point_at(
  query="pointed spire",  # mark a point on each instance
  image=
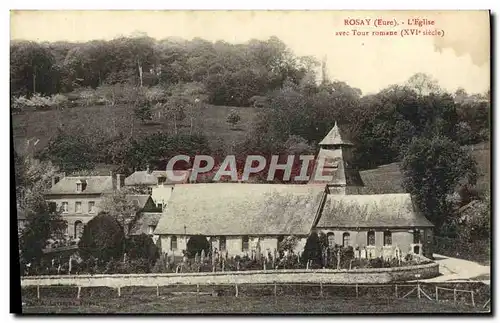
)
(335, 137)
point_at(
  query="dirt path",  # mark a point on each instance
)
(455, 269)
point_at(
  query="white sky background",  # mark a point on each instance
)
(460, 59)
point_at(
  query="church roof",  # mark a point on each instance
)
(342, 173)
(335, 137)
(241, 209)
(371, 211)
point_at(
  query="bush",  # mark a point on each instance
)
(142, 247)
(102, 238)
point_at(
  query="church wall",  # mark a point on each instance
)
(233, 244)
(402, 238)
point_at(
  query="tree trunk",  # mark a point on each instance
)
(139, 66)
(34, 80)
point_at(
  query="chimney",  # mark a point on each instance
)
(118, 181)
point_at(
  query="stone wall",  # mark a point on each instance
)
(361, 276)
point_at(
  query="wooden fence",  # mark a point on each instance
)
(433, 292)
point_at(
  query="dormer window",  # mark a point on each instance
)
(161, 180)
(81, 185)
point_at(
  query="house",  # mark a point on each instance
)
(235, 217)
(147, 216)
(78, 198)
(157, 183)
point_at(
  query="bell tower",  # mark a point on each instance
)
(333, 165)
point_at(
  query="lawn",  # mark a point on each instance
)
(256, 304)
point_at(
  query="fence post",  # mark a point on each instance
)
(418, 290)
(454, 295)
(396, 290)
(79, 291)
(357, 291)
(320, 289)
(157, 290)
(119, 291)
(275, 289)
(38, 291)
(197, 289)
(236, 286)
(437, 297)
(472, 295)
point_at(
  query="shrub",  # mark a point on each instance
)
(312, 249)
(102, 238)
(142, 247)
(376, 263)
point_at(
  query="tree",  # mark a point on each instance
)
(233, 118)
(119, 207)
(312, 249)
(42, 224)
(423, 84)
(143, 111)
(432, 169)
(70, 152)
(102, 238)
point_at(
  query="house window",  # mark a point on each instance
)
(52, 207)
(331, 240)
(244, 243)
(160, 206)
(78, 207)
(370, 238)
(222, 243)
(91, 207)
(173, 243)
(150, 190)
(346, 237)
(135, 203)
(416, 236)
(387, 238)
(161, 180)
(78, 187)
(64, 207)
(78, 229)
(151, 229)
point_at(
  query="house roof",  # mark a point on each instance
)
(241, 209)
(140, 198)
(142, 223)
(145, 177)
(95, 185)
(335, 137)
(380, 210)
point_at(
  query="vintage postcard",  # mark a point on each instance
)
(253, 162)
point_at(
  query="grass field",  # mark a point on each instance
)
(255, 304)
(42, 125)
(388, 178)
(253, 298)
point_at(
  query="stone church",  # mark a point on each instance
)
(235, 216)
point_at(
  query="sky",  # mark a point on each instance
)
(461, 58)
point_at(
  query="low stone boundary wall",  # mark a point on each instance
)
(354, 276)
